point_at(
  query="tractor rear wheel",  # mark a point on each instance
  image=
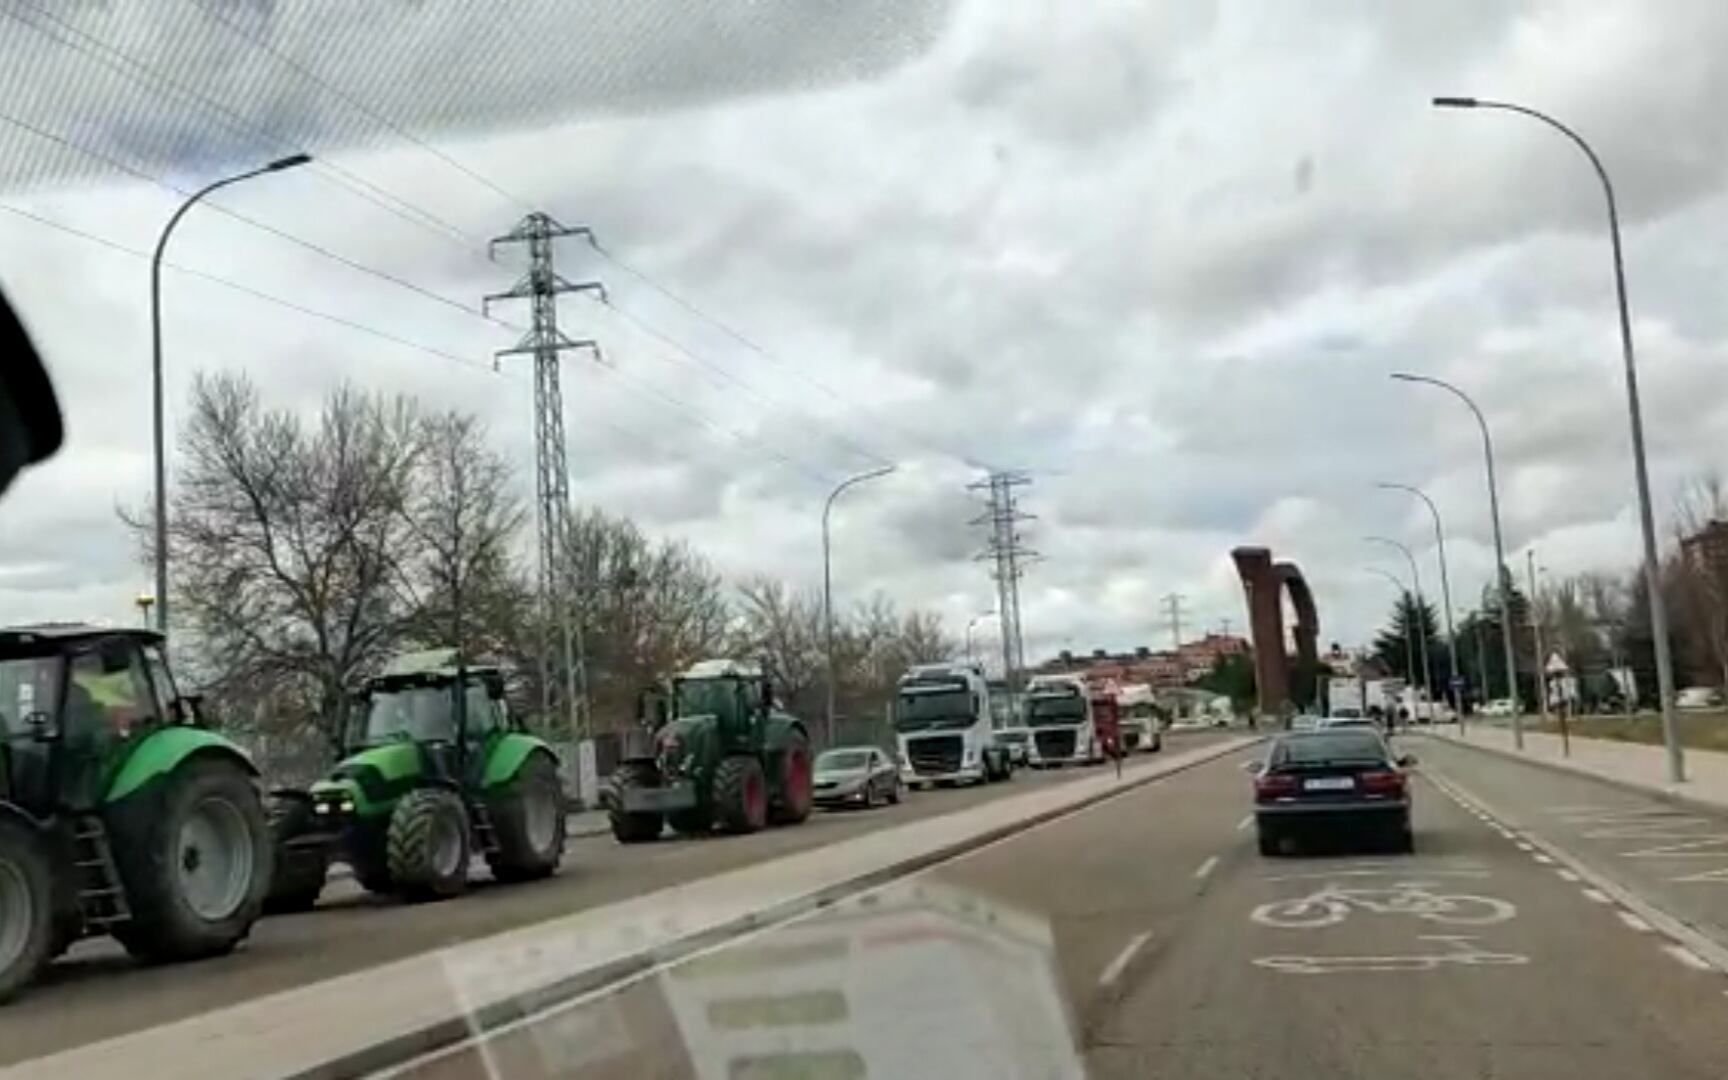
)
(793, 804)
(300, 872)
(427, 846)
(528, 819)
(640, 827)
(195, 859)
(741, 794)
(26, 906)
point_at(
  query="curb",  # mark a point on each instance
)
(1662, 794)
(456, 1030)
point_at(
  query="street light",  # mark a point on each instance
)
(1403, 594)
(1635, 413)
(828, 581)
(970, 623)
(1445, 593)
(1421, 630)
(158, 431)
(1501, 576)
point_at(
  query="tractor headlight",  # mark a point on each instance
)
(347, 806)
(321, 808)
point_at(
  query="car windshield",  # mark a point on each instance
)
(1046, 710)
(1330, 748)
(843, 760)
(933, 708)
(27, 685)
(418, 713)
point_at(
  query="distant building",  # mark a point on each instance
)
(1168, 668)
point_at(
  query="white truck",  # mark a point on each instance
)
(945, 728)
(1059, 712)
(1346, 698)
(1140, 732)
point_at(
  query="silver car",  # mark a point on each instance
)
(856, 775)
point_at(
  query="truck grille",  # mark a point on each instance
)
(1055, 745)
(1131, 739)
(935, 755)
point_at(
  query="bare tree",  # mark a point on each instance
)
(286, 544)
(783, 627)
(1697, 580)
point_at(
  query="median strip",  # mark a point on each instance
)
(369, 1020)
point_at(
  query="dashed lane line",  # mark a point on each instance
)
(1120, 964)
(1206, 868)
(1597, 895)
(1245, 822)
(1688, 957)
(1634, 922)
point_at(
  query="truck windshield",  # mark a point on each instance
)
(420, 713)
(1059, 709)
(27, 685)
(921, 708)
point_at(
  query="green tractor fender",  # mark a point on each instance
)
(164, 750)
(777, 734)
(508, 754)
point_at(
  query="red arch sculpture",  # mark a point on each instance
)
(1265, 582)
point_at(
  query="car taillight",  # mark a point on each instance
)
(1382, 782)
(1274, 785)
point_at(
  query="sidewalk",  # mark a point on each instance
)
(1633, 765)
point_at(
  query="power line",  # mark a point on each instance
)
(355, 184)
(1004, 548)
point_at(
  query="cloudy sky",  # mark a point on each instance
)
(1162, 255)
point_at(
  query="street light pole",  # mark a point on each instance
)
(1403, 596)
(158, 432)
(1635, 413)
(1420, 611)
(1501, 576)
(970, 656)
(1445, 594)
(828, 582)
(1536, 635)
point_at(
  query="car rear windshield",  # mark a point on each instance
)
(1331, 746)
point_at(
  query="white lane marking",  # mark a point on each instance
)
(1688, 957)
(1120, 964)
(1597, 895)
(1566, 875)
(1391, 871)
(1522, 846)
(1543, 859)
(1459, 950)
(1634, 922)
(1245, 822)
(1206, 867)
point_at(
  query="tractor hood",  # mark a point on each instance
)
(373, 778)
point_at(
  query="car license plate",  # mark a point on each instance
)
(1329, 783)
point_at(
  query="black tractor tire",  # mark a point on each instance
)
(367, 854)
(170, 845)
(426, 848)
(694, 822)
(791, 806)
(518, 814)
(636, 828)
(300, 872)
(740, 794)
(26, 906)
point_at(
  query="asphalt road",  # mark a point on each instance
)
(96, 991)
(1145, 937)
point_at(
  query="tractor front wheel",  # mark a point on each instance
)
(300, 871)
(427, 846)
(633, 828)
(796, 783)
(741, 794)
(26, 906)
(528, 819)
(195, 858)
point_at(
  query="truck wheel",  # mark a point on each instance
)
(1157, 743)
(528, 819)
(796, 783)
(426, 848)
(26, 907)
(740, 794)
(637, 828)
(196, 861)
(300, 872)
(894, 793)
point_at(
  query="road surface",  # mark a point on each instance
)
(1145, 937)
(97, 992)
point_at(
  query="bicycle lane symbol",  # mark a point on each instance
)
(1422, 900)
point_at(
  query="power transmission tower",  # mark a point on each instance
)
(1004, 548)
(563, 670)
(1173, 602)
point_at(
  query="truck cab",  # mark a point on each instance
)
(1064, 729)
(945, 728)
(1140, 732)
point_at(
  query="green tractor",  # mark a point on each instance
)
(711, 750)
(429, 779)
(119, 814)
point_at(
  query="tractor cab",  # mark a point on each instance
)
(415, 700)
(738, 697)
(73, 700)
